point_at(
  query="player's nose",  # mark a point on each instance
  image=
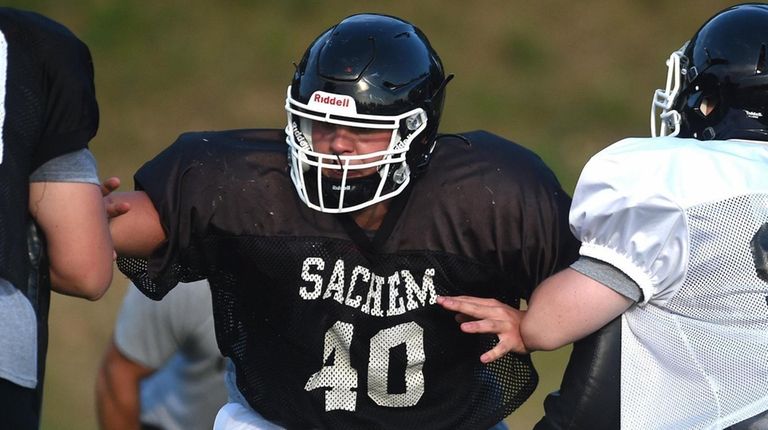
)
(343, 141)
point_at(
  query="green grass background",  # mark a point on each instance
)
(565, 78)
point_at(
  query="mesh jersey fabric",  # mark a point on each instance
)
(50, 109)
(685, 220)
(329, 332)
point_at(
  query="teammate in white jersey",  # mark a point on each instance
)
(674, 233)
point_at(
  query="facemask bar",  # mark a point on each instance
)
(303, 158)
(664, 99)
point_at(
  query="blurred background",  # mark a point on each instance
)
(564, 78)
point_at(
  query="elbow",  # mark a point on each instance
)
(90, 284)
(95, 286)
(537, 339)
(95, 291)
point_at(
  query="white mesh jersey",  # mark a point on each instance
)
(681, 218)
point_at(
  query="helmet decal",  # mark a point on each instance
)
(332, 103)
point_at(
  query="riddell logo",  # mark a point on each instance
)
(332, 103)
(753, 115)
(319, 97)
(299, 136)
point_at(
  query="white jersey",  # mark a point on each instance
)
(681, 218)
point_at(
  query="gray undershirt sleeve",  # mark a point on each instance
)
(75, 166)
(609, 276)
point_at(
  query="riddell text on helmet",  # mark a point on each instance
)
(330, 100)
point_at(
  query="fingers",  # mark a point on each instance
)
(115, 208)
(508, 333)
(466, 300)
(110, 184)
(490, 325)
(473, 306)
(488, 316)
(503, 348)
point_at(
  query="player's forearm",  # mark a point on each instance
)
(115, 414)
(137, 232)
(567, 307)
(117, 393)
(79, 245)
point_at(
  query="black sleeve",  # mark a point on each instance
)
(513, 200)
(537, 227)
(71, 111)
(195, 182)
(548, 244)
(175, 181)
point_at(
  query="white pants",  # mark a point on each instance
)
(234, 416)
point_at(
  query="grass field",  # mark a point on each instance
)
(563, 78)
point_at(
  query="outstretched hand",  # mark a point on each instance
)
(479, 315)
(112, 207)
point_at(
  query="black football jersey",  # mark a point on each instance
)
(332, 327)
(49, 109)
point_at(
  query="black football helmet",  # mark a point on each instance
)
(368, 71)
(717, 84)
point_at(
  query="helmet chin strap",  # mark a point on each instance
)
(358, 190)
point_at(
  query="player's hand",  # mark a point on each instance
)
(114, 208)
(110, 184)
(479, 315)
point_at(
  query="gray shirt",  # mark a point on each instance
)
(176, 337)
(609, 276)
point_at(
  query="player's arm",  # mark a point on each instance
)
(624, 224)
(566, 307)
(135, 223)
(71, 215)
(118, 402)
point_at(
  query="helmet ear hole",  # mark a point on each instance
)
(707, 105)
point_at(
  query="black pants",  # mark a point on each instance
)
(19, 407)
(589, 395)
(758, 422)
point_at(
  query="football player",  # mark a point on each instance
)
(326, 244)
(674, 235)
(48, 114)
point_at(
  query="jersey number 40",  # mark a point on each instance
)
(341, 379)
